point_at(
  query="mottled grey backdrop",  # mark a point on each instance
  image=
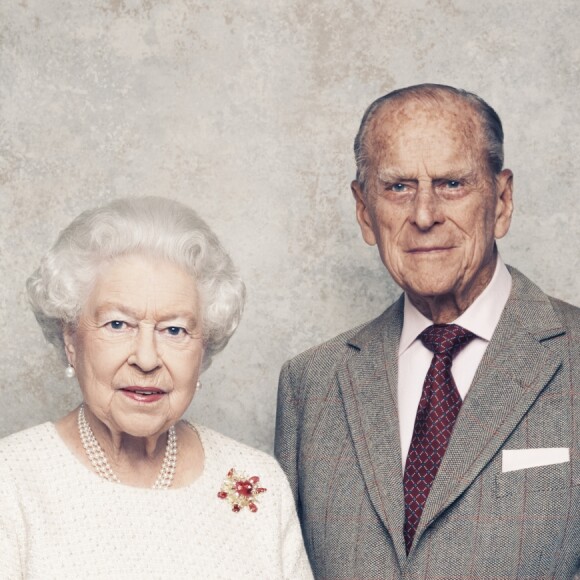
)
(246, 110)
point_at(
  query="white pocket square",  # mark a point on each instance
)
(514, 459)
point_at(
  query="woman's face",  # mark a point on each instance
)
(137, 349)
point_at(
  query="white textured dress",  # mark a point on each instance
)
(60, 520)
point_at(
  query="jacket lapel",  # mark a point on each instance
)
(514, 371)
(368, 384)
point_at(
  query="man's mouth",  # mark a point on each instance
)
(429, 249)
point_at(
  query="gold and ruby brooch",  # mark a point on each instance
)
(241, 491)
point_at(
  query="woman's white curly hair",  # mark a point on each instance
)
(150, 226)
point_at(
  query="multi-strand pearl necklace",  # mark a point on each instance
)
(101, 465)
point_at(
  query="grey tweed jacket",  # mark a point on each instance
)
(337, 437)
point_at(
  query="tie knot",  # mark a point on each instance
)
(445, 338)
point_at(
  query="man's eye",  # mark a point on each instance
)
(452, 184)
(117, 325)
(399, 187)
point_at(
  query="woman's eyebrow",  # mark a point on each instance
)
(188, 317)
(115, 307)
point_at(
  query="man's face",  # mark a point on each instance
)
(431, 204)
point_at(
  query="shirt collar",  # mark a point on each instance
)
(481, 317)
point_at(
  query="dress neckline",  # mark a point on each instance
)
(94, 478)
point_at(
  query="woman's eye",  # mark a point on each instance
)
(117, 324)
(175, 330)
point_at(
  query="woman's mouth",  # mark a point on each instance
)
(143, 394)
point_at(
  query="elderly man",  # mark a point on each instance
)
(440, 440)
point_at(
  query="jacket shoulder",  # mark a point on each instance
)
(568, 313)
(323, 359)
(333, 348)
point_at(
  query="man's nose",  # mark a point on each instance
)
(145, 354)
(427, 209)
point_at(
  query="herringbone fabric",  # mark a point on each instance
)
(438, 409)
(337, 438)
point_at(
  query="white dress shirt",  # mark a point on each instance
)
(481, 318)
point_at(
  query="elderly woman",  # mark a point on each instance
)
(138, 296)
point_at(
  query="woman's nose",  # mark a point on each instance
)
(145, 354)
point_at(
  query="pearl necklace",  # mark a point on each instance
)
(100, 464)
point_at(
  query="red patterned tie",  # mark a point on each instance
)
(438, 409)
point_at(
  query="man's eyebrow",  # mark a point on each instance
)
(456, 175)
(392, 174)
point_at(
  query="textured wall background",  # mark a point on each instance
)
(247, 110)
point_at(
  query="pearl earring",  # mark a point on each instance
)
(69, 372)
(198, 386)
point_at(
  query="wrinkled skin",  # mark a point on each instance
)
(431, 204)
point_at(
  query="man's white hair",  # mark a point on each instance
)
(432, 94)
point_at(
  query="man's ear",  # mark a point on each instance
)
(69, 343)
(362, 214)
(504, 204)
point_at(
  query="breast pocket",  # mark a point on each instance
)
(534, 479)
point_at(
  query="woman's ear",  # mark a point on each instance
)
(69, 343)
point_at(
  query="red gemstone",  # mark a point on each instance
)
(261, 490)
(253, 507)
(236, 508)
(222, 494)
(254, 479)
(231, 472)
(244, 488)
